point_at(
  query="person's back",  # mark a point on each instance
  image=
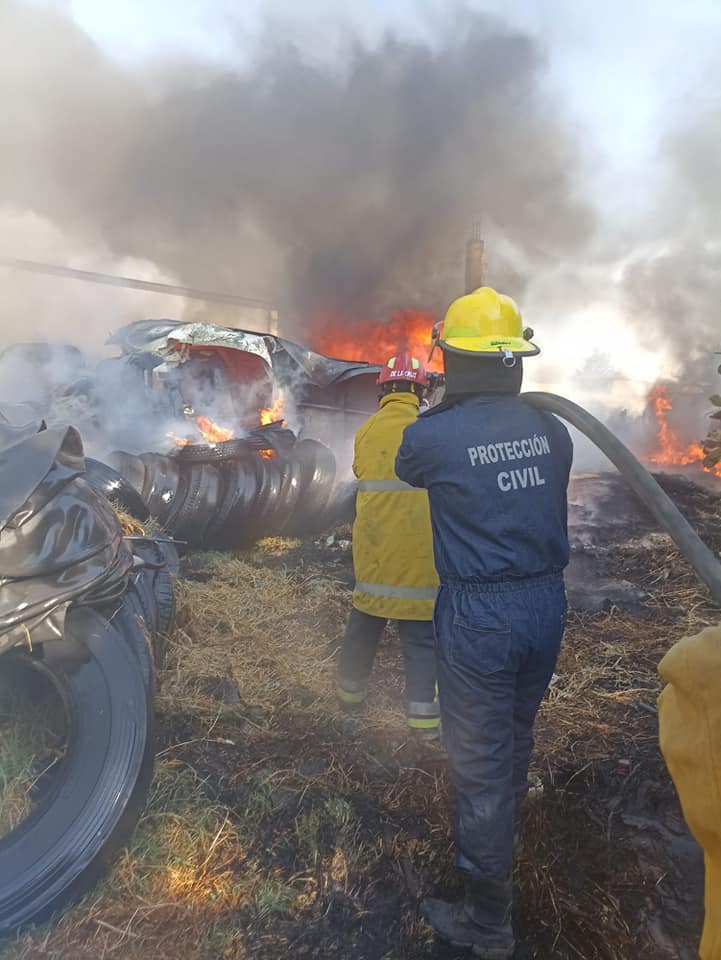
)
(496, 471)
(395, 578)
(392, 542)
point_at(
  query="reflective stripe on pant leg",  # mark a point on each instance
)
(423, 723)
(349, 696)
(423, 715)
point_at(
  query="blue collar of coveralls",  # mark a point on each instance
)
(467, 398)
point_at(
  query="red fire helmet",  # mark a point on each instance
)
(404, 367)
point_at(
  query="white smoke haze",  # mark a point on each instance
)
(34, 307)
(344, 176)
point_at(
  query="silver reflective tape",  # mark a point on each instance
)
(421, 708)
(402, 593)
(383, 486)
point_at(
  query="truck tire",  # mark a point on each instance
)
(288, 496)
(162, 480)
(318, 468)
(213, 452)
(199, 504)
(116, 488)
(130, 467)
(97, 795)
(242, 481)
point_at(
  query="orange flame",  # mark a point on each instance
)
(274, 412)
(671, 450)
(212, 432)
(376, 340)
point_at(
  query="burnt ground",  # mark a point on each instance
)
(280, 827)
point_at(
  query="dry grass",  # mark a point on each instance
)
(280, 828)
(170, 894)
(259, 628)
(30, 742)
(128, 524)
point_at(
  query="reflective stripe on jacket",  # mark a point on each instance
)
(689, 711)
(392, 539)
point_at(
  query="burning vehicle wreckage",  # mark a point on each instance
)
(191, 427)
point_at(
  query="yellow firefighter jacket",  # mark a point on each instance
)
(690, 730)
(392, 539)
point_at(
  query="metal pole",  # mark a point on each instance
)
(475, 259)
(172, 290)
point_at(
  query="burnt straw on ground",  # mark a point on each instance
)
(279, 827)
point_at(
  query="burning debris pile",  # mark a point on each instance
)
(205, 415)
(228, 494)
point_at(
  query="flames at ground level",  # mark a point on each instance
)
(208, 431)
(375, 340)
(670, 449)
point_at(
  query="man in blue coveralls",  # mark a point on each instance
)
(496, 470)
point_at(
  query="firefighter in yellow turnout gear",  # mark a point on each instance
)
(690, 729)
(392, 554)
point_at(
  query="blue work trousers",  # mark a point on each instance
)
(496, 647)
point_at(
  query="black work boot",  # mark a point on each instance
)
(481, 921)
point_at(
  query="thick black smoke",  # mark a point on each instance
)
(350, 184)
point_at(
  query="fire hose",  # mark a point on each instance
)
(664, 510)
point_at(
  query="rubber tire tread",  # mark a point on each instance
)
(289, 495)
(213, 453)
(242, 483)
(318, 470)
(161, 584)
(162, 477)
(249, 532)
(62, 849)
(128, 617)
(266, 502)
(116, 488)
(199, 505)
(174, 508)
(130, 467)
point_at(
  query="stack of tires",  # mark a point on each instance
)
(228, 495)
(85, 611)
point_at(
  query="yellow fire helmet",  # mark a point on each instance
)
(486, 322)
